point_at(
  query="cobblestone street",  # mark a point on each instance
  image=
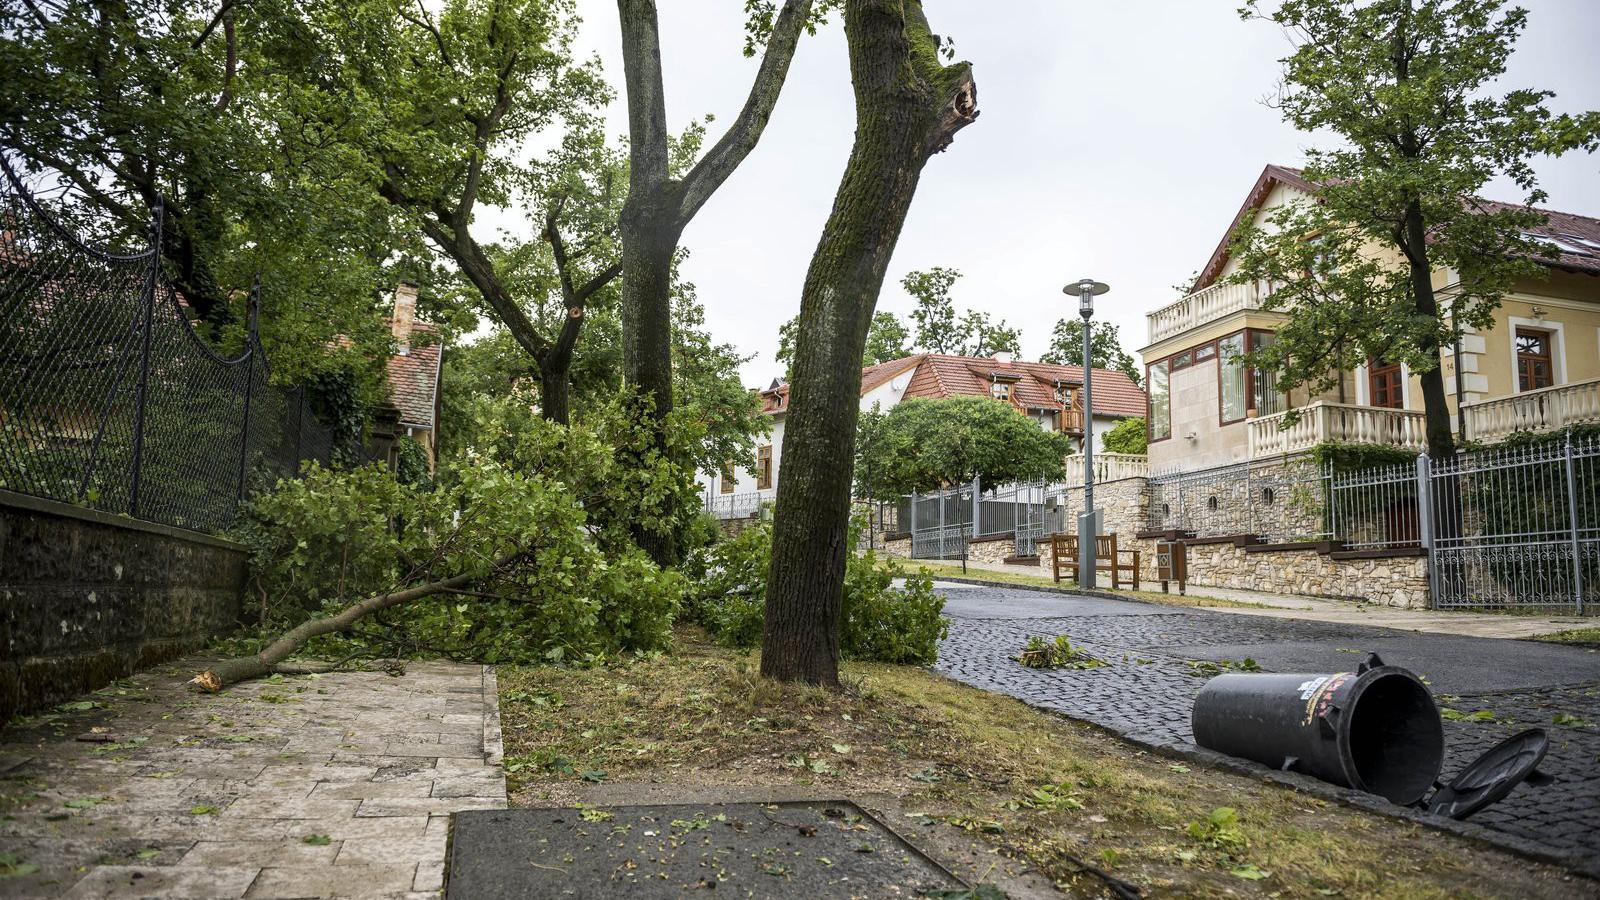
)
(1147, 689)
(332, 786)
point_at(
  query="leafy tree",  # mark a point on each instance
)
(909, 106)
(1105, 348)
(119, 107)
(1127, 436)
(1402, 84)
(661, 202)
(438, 106)
(925, 445)
(887, 339)
(984, 339)
(935, 315)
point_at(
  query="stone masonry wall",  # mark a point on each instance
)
(87, 598)
(992, 550)
(1393, 581)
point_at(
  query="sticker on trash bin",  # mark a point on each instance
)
(1321, 695)
(1307, 688)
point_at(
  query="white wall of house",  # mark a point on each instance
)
(889, 393)
(745, 481)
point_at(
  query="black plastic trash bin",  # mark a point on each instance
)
(1375, 729)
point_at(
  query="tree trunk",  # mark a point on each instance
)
(660, 206)
(648, 246)
(555, 403)
(1436, 411)
(908, 107)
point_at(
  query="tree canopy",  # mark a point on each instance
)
(1403, 84)
(1105, 348)
(924, 445)
(939, 330)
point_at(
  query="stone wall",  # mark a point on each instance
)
(87, 598)
(1310, 570)
(896, 544)
(992, 549)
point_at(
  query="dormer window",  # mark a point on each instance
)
(1000, 390)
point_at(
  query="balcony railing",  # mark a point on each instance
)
(1206, 305)
(1547, 409)
(743, 505)
(1323, 421)
(1107, 467)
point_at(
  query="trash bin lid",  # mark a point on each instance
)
(1490, 777)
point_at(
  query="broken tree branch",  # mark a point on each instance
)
(244, 668)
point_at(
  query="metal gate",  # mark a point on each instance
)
(941, 523)
(1516, 528)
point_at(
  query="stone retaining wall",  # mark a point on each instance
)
(1399, 581)
(992, 550)
(87, 598)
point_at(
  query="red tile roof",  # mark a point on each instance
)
(1034, 386)
(1115, 394)
(414, 378)
(1576, 255)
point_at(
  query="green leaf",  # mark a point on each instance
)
(203, 810)
(1249, 873)
(317, 840)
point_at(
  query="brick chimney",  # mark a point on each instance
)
(405, 313)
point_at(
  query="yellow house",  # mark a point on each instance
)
(1536, 369)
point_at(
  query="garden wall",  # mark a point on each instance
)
(87, 597)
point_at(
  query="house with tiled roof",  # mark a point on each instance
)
(414, 371)
(1535, 368)
(1051, 395)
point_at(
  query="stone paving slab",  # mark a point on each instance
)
(334, 786)
(1146, 691)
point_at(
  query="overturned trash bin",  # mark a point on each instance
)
(1375, 729)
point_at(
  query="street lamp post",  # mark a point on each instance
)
(1087, 289)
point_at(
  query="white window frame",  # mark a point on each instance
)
(1558, 348)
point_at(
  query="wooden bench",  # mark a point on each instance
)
(1107, 558)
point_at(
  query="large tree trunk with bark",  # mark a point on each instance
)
(1436, 411)
(908, 106)
(660, 206)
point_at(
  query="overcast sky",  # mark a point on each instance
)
(1116, 141)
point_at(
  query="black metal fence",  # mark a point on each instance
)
(108, 397)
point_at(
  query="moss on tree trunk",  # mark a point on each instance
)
(908, 106)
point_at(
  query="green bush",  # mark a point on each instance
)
(881, 623)
(575, 588)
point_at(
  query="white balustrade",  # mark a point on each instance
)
(1323, 421)
(1108, 467)
(1547, 409)
(1202, 306)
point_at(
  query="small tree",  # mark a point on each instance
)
(1401, 82)
(935, 315)
(927, 445)
(887, 339)
(1105, 348)
(1127, 436)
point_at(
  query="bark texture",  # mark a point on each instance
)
(660, 206)
(908, 107)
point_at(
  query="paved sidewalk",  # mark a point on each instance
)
(332, 786)
(1352, 612)
(1146, 690)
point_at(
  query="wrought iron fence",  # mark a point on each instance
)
(1374, 508)
(1517, 527)
(108, 397)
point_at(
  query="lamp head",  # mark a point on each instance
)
(1086, 289)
